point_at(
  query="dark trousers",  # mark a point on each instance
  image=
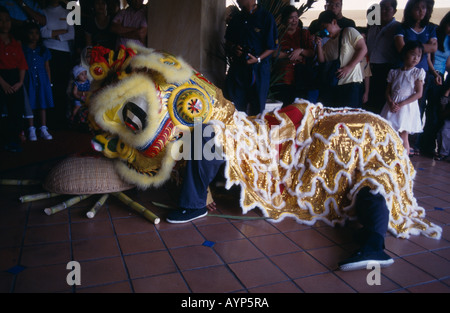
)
(199, 173)
(378, 85)
(60, 69)
(347, 95)
(14, 106)
(248, 85)
(373, 214)
(285, 93)
(432, 120)
(371, 209)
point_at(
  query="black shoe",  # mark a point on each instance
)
(186, 215)
(361, 259)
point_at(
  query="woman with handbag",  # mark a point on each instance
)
(340, 57)
(296, 45)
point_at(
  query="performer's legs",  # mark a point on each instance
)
(200, 170)
(373, 214)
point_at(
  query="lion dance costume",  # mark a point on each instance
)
(304, 161)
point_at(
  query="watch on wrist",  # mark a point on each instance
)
(259, 60)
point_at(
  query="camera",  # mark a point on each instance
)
(289, 51)
(247, 50)
(323, 33)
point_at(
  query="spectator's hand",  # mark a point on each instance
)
(252, 59)
(365, 98)
(438, 80)
(318, 41)
(238, 51)
(343, 72)
(296, 55)
(395, 107)
(7, 88)
(391, 104)
(283, 55)
(142, 33)
(16, 87)
(56, 33)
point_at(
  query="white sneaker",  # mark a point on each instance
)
(45, 134)
(32, 133)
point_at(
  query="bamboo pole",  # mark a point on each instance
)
(161, 205)
(149, 215)
(38, 196)
(92, 212)
(19, 182)
(238, 217)
(65, 204)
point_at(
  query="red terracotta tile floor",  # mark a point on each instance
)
(119, 251)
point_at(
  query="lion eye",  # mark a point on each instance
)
(134, 114)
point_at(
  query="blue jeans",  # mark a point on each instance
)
(198, 174)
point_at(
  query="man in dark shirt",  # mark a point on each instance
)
(336, 7)
(251, 38)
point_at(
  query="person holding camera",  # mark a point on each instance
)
(334, 6)
(348, 91)
(251, 38)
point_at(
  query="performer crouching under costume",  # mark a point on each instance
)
(371, 209)
(303, 161)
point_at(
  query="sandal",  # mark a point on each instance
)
(440, 157)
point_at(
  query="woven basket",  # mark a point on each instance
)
(85, 175)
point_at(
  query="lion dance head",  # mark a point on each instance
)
(143, 101)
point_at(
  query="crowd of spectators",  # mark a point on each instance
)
(263, 60)
(44, 60)
(340, 65)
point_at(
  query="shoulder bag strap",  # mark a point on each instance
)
(340, 42)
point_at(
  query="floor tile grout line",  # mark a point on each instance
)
(422, 269)
(223, 261)
(428, 282)
(19, 259)
(167, 249)
(110, 219)
(69, 213)
(272, 262)
(103, 284)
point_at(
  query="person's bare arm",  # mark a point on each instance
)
(36, 16)
(360, 52)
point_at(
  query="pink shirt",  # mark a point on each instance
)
(130, 18)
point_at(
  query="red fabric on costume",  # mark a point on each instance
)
(295, 115)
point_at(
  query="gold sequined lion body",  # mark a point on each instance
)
(303, 161)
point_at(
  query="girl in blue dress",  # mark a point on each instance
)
(37, 79)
